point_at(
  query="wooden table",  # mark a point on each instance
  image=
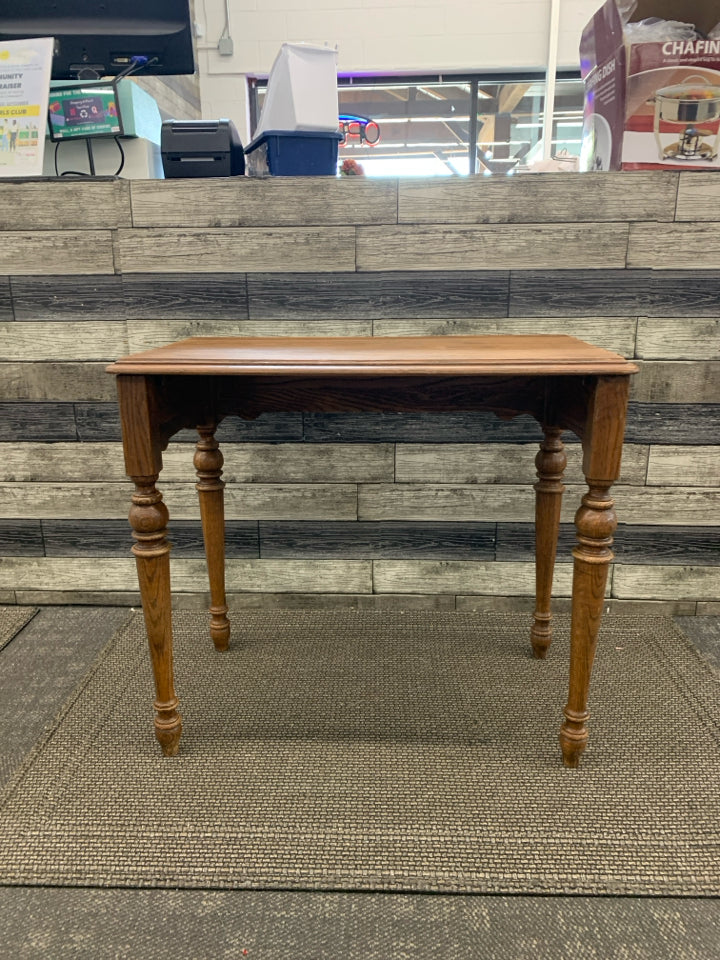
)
(564, 383)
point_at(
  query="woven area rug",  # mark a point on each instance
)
(12, 620)
(379, 751)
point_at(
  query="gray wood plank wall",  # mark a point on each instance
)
(358, 510)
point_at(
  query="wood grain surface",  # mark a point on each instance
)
(31, 253)
(558, 198)
(64, 204)
(266, 249)
(246, 202)
(502, 247)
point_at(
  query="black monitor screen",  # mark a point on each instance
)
(84, 110)
(103, 39)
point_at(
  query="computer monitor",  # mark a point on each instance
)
(84, 109)
(104, 39)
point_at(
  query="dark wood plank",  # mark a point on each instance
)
(390, 540)
(186, 296)
(37, 421)
(614, 293)
(97, 421)
(419, 428)
(699, 546)
(21, 538)
(101, 421)
(379, 295)
(67, 298)
(658, 423)
(110, 538)
(692, 546)
(674, 423)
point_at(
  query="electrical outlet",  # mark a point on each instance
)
(225, 46)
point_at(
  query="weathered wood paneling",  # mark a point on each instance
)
(678, 338)
(21, 538)
(185, 296)
(671, 381)
(146, 334)
(507, 502)
(267, 249)
(28, 253)
(634, 543)
(660, 582)
(612, 333)
(419, 428)
(109, 538)
(70, 298)
(560, 198)
(661, 293)
(6, 306)
(397, 540)
(525, 246)
(380, 296)
(64, 204)
(674, 423)
(101, 421)
(698, 196)
(463, 576)
(278, 257)
(693, 246)
(55, 381)
(248, 202)
(72, 340)
(254, 501)
(50, 462)
(684, 466)
(497, 463)
(66, 573)
(37, 421)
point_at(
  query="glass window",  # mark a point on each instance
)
(414, 126)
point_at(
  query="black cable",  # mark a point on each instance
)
(122, 157)
(81, 173)
(66, 173)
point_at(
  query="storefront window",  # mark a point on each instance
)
(450, 126)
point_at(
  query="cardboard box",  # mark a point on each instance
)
(656, 105)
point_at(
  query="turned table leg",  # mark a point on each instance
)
(550, 462)
(595, 523)
(208, 463)
(148, 519)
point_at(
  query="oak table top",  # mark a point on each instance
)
(461, 356)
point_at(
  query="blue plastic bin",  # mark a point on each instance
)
(304, 153)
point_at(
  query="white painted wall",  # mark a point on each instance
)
(380, 36)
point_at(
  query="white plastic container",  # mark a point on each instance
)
(301, 91)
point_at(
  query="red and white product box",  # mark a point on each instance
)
(656, 105)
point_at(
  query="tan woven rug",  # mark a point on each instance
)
(12, 620)
(412, 751)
